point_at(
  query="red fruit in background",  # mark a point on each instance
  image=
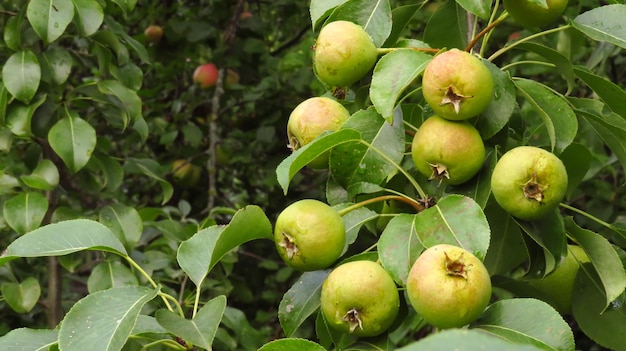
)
(205, 75)
(153, 34)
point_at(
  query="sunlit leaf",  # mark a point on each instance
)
(291, 344)
(604, 23)
(320, 9)
(110, 274)
(89, 16)
(73, 139)
(373, 16)
(21, 75)
(393, 73)
(49, 18)
(28, 339)
(57, 63)
(198, 255)
(399, 247)
(103, 321)
(509, 320)
(63, 238)
(456, 220)
(464, 340)
(124, 221)
(19, 117)
(24, 212)
(45, 176)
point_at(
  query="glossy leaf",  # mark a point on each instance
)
(57, 63)
(201, 329)
(373, 16)
(21, 297)
(288, 167)
(393, 73)
(151, 169)
(24, 212)
(63, 238)
(21, 75)
(612, 94)
(361, 161)
(557, 116)
(28, 339)
(301, 301)
(320, 9)
(509, 319)
(447, 27)
(19, 117)
(501, 107)
(481, 8)
(124, 221)
(103, 321)
(456, 220)
(478, 188)
(603, 326)
(198, 255)
(45, 176)
(577, 159)
(108, 39)
(13, 32)
(354, 221)
(291, 344)
(50, 18)
(604, 23)
(73, 139)
(399, 247)
(605, 260)
(147, 325)
(464, 340)
(110, 274)
(89, 16)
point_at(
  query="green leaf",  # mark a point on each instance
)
(73, 139)
(509, 319)
(374, 158)
(21, 297)
(393, 73)
(354, 220)
(124, 221)
(479, 187)
(501, 107)
(107, 39)
(456, 220)
(506, 248)
(110, 274)
(549, 233)
(612, 94)
(399, 247)
(29, 339)
(288, 167)
(56, 65)
(19, 117)
(373, 16)
(151, 169)
(147, 325)
(301, 301)
(291, 344)
(604, 23)
(126, 5)
(201, 329)
(24, 212)
(447, 27)
(481, 8)
(21, 75)
(198, 255)
(562, 63)
(49, 18)
(320, 9)
(4, 101)
(605, 260)
(400, 18)
(63, 238)
(13, 32)
(556, 114)
(103, 321)
(126, 99)
(604, 326)
(120, 31)
(112, 172)
(89, 16)
(45, 176)
(609, 126)
(464, 340)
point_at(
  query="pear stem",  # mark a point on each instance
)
(416, 205)
(485, 31)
